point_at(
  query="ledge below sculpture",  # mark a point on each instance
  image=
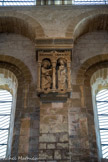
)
(54, 97)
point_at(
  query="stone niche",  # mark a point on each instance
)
(54, 74)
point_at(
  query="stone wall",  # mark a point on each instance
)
(54, 131)
(54, 143)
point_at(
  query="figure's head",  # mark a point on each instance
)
(62, 61)
(46, 63)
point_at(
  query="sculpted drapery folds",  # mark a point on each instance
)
(46, 73)
(54, 72)
(62, 74)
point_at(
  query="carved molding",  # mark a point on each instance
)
(64, 43)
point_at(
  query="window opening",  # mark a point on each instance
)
(102, 110)
(51, 2)
(17, 2)
(90, 2)
(5, 113)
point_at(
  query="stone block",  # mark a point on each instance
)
(65, 154)
(42, 146)
(34, 132)
(50, 146)
(33, 140)
(57, 105)
(47, 138)
(42, 155)
(34, 124)
(64, 138)
(25, 123)
(25, 132)
(75, 95)
(57, 154)
(83, 127)
(23, 148)
(47, 154)
(62, 145)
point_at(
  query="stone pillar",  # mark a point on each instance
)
(39, 71)
(54, 75)
(68, 75)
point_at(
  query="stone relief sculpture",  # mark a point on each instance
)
(54, 72)
(46, 75)
(62, 74)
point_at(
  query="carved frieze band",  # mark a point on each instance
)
(54, 71)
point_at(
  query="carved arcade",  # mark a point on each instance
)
(54, 70)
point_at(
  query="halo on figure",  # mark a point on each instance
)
(46, 62)
(61, 61)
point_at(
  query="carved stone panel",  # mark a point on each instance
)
(54, 70)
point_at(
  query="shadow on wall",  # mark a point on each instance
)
(91, 23)
(20, 24)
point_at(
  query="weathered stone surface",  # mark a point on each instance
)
(64, 138)
(57, 105)
(51, 146)
(48, 154)
(42, 146)
(83, 127)
(62, 145)
(57, 154)
(47, 138)
(75, 95)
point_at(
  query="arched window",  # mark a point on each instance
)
(8, 94)
(99, 85)
(102, 111)
(5, 114)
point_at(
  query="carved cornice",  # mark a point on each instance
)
(58, 43)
